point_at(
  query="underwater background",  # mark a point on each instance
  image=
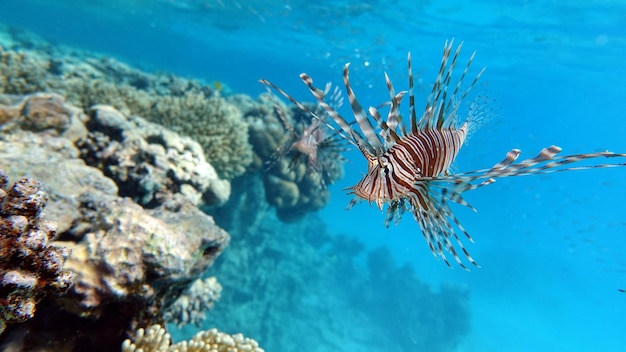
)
(552, 248)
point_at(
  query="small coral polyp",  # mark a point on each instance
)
(30, 267)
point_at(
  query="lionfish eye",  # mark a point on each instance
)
(385, 165)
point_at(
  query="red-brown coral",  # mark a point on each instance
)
(30, 267)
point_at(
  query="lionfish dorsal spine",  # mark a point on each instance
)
(394, 119)
(346, 134)
(412, 112)
(341, 122)
(372, 139)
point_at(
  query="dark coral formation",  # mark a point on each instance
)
(131, 262)
(31, 267)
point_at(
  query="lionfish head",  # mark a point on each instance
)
(377, 184)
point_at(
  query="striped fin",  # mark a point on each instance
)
(361, 117)
(442, 106)
(412, 113)
(347, 135)
(433, 105)
(435, 219)
(429, 206)
(280, 113)
(348, 132)
(394, 119)
(389, 135)
(547, 161)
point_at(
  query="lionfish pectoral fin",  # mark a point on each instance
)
(547, 161)
(439, 225)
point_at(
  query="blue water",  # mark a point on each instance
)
(552, 248)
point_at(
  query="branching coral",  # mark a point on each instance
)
(30, 266)
(156, 339)
(217, 125)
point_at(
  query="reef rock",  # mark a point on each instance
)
(149, 162)
(185, 106)
(130, 261)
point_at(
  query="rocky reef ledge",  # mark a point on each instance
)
(121, 195)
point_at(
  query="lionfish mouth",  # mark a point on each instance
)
(409, 167)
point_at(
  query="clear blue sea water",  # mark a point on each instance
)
(552, 248)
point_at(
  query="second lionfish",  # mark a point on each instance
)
(409, 169)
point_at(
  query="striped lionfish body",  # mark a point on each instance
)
(409, 169)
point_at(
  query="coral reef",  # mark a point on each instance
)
(31, 267)
(214, 123)
(192, 306)
(131, 262)
(156, 339)
(221, 126)
(184, 106)
(148, 161)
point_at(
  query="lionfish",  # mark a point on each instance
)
(409, 169)
(309, 143)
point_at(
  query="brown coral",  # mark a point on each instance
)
(30, 266)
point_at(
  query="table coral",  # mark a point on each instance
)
(156, 339)
(30, 266)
